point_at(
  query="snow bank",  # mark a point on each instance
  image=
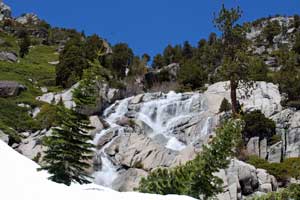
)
(19, 180)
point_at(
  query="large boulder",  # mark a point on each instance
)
(139, 151)
(8, 56)
(262, 96)
(10, 88)
(241, 179)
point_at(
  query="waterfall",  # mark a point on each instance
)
(161, 114)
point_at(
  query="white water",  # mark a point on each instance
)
(161, 115)
(108, 171)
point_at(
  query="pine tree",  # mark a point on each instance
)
(196, 178)
(24, 45)
(68, 148)
(235, 59)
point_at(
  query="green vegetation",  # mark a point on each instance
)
(289, 168)
(68, 148)
(225, 106)
(271, 30)
(292, 192)
(257, 125)
(24, 45)
(196, 178)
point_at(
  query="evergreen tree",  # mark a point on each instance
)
(158, 61)
(68, 148)
(234, 65)
(24, 45)
(196, 178)
(187, 50)
(72, 62)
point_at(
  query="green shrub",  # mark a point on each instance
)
(225, 106)
(257, 125)
(290, 193)
(47, 117)
(282, 171)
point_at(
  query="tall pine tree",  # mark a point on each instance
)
(235, 59)
(68, 148)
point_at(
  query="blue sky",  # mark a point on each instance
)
(146, 25)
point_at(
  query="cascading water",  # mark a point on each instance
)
(160, 115)
(108, 171)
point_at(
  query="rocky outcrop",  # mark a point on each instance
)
(241, 179)
(138, 151)
(5, 11)
(106, 97)
(8, 56)
(10, 88)
(28, 18)
(262, 96)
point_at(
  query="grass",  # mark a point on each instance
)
(34, 72)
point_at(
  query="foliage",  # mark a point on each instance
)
(292, 192)
(68, 148)
(120, 60)
(258, 70)
(271, 30)
(289, 75)
(72, 62)
(196, 178)
(24, 45)
(234, 65)
(225, 106)
(282, 171)
(158, 61)
(47, 117)
(257, 125)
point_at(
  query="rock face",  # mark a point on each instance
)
(5, 11)
(262, 96)
(8, 56)
(28, 18)
(241, 179)
(10, 88)
(107, 96)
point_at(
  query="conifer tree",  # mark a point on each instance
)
(68, 148)
(235, 59)
(24, 45)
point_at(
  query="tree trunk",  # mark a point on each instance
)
(233, 88)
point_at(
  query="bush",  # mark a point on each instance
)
(257, 125)
(47, 117)
(290, 167)
(292, 192)
(225, 106)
